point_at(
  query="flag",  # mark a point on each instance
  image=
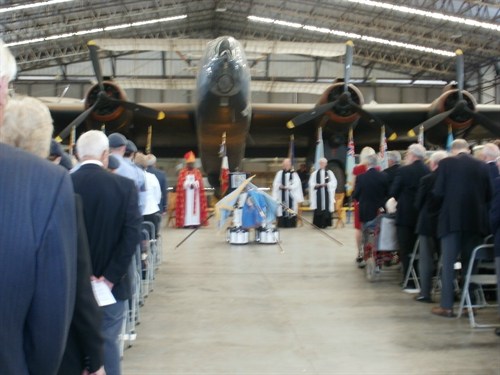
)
(350, 161)
(383, 148)
(291, 151)
(320, 152)
(149, 140)
(449, 140)
(421, 135)
(224, 168)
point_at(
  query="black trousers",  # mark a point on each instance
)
(453, 245)
(406, 239)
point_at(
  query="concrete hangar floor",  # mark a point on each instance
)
(221, 309)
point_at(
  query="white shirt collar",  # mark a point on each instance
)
(97, 162)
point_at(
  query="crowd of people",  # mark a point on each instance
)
(50, 319)
(69, 230)
(449, 202)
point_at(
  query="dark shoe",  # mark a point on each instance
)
(362, 264)
(497, 331)
(447, 313)
(359, 259)
(423, 299)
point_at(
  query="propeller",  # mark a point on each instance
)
(461, 104)
(344, 100)
(104, 100)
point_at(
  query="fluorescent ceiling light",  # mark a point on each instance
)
(32, 5)
(96, 30)
(427, 14)
(344, 34)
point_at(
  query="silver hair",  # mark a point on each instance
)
(437, 156)
(27, 125)
(8, 67)
(92, 144)
(371, 161)
(459, 145)
(417, 150)
(324, 160)
(491, 151)
(394, 156)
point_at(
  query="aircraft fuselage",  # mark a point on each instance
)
(223, 104)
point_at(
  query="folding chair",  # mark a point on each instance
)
(481, 255)
(410, 272)
(153, 252)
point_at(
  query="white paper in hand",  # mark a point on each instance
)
(102, 293)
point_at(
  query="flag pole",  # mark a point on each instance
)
(150, 137)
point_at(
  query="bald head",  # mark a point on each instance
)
(287, 164)
(459, 146)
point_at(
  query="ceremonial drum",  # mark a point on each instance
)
(237, 236)
(267, 235)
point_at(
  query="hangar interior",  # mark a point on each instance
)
(404, 50)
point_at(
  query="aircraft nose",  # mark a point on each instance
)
(225, 48)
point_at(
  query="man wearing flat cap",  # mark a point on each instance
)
(191, 204)
(118, 147)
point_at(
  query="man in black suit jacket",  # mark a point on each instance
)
(113, 223)
(495, 227)
(394, 162)
(464, 190)
(38, 262)
(404, 190)
(371, 191)
(425, 203)
(37, 252)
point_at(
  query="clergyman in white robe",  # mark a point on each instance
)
(287, 190)
(322, 185)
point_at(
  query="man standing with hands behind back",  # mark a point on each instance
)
(113, 225)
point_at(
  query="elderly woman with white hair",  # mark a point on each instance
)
(322, 185)
(358, 170)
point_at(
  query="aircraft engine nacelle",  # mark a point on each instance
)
(459, 120)
(342, 113)
(113, 116)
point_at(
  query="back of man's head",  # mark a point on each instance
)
(371, 161)
(436, 157)
(417, 150)
(490, 152)
(27, 125)
(92, 145)
(394, 157)
(458, 146)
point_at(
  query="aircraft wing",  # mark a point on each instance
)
(171, 137)
(194, 47)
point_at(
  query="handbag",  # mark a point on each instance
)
(388, 239)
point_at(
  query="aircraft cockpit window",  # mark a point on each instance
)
(224, 48)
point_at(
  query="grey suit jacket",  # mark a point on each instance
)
(38, 262)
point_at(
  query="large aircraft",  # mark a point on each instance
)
(259, 130)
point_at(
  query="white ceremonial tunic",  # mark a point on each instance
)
(332, 185)
(192, 205)
(294, 190)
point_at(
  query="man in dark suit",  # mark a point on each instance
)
(393, 162)
(490, 154)
(464, 190)
(425, 203)
(113, 222)
(38, 267)
(37, 252)
(404, 190)
(371, 190)
(495, 227)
